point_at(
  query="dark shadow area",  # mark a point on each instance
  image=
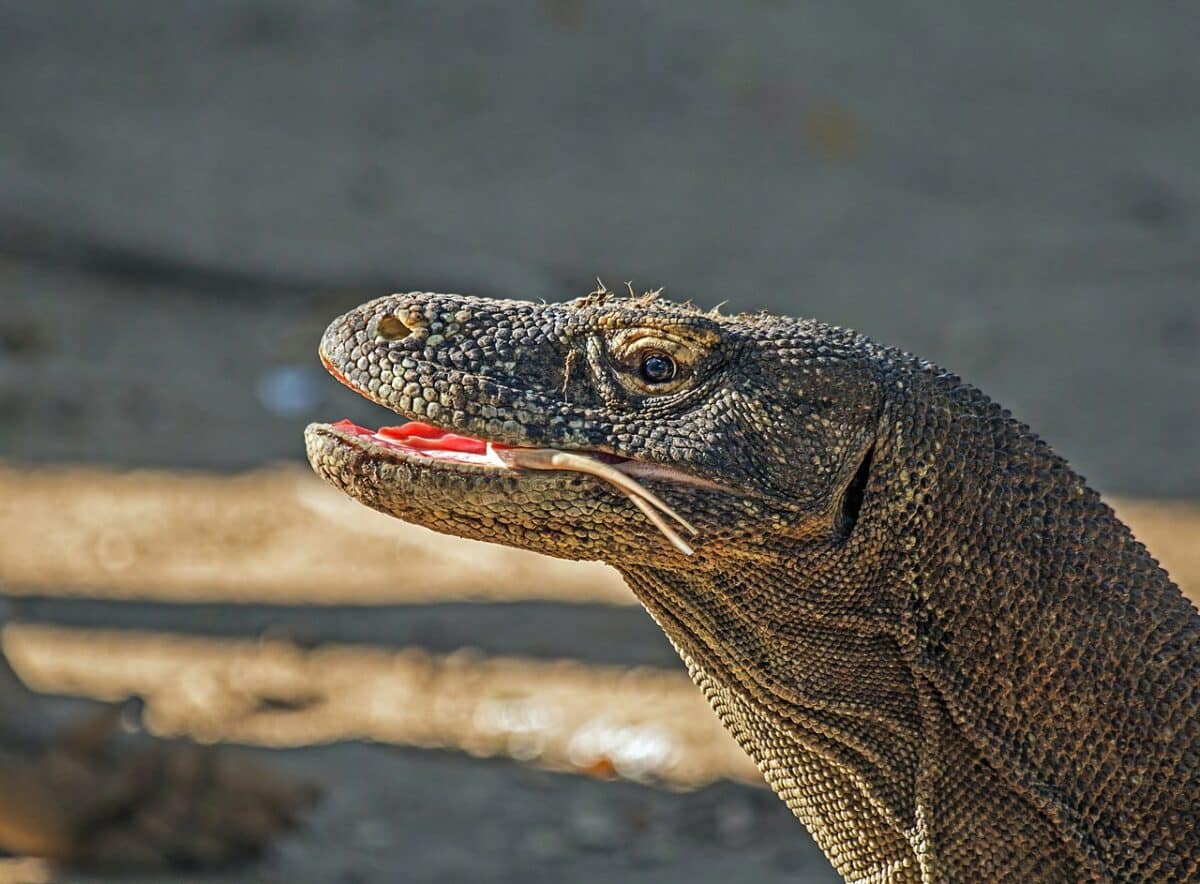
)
(592, 633)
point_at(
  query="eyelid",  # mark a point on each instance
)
(688, 347)
(633, 345)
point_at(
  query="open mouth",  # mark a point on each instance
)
(425, 440)
(416, 440)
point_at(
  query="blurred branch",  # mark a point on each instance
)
(282, 536)
(271, 536)
(638, 723)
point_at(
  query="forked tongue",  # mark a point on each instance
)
(651, 505)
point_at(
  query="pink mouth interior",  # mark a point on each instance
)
(416, 437)
(435, 443)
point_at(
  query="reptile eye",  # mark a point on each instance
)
(657, 368)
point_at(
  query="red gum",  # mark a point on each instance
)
(423, 437)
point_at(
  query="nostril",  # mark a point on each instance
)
(392, 328)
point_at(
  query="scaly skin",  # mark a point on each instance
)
(942, 649)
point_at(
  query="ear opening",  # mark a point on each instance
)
(852, 499)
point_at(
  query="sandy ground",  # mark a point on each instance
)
(417, 815)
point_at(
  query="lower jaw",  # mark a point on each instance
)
(416, 441)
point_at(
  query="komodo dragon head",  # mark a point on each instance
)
(941, 648)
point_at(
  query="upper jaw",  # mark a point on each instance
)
(400, 374)
(413, 386)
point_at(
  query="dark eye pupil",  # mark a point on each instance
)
(657, 368)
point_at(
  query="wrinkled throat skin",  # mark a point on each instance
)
(942, 649)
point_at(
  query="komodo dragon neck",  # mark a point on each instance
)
(944, 652)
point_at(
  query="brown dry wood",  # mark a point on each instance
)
(90, 793)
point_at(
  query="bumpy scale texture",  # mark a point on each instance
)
(942, 649)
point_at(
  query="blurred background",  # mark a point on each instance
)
(189, 192)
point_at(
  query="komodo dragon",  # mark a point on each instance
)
(943, 651)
